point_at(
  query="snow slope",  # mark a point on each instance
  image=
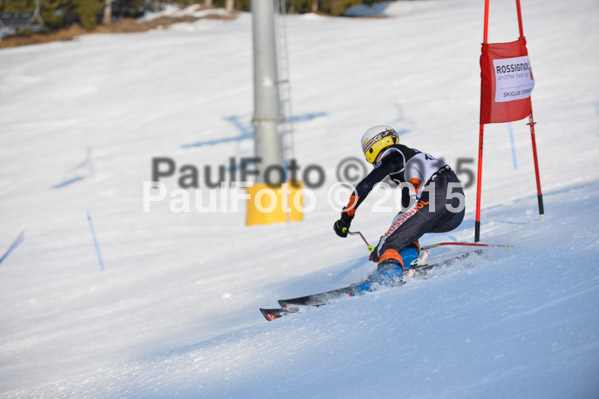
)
(195, 10)
(175, 312)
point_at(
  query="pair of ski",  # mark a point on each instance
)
(303, 303)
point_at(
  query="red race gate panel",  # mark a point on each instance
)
(506, 82)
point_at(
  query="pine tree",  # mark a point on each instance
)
(86, 11)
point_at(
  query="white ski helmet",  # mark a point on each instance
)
(376, 139)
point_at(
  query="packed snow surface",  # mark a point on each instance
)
(175, 312)
(194, 10)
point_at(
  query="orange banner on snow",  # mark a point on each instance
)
(506, 82)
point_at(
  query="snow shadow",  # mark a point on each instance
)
(77, 173)
(243, 124)
(68, 182)
(401, 124)
(307, 117)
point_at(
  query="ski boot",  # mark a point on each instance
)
(390, 271)
(410, 254)
(387, 273)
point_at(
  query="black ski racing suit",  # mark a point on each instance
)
(437, 198)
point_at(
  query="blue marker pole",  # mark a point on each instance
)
(91, 227)
(513, 146)
(13, 246)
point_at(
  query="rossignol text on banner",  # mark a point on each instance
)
(513, 79)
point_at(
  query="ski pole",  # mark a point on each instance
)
(353, 233)
(469, 244)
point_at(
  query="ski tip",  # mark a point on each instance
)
(269, 314)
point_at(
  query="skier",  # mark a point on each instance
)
(437, 206)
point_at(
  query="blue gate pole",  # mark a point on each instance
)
(91, 227)
(513, 146)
